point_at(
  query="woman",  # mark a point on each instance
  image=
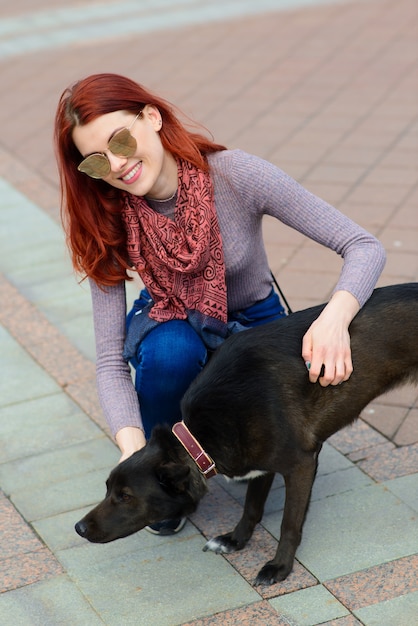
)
(141, 192)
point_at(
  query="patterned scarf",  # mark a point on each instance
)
(181, 262)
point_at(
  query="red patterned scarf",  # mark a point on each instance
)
(181, 262)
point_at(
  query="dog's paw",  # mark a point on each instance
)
(223, 544)
(270, 574)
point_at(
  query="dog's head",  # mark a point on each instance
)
(157, 483)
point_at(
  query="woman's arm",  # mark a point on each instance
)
(117, 394)
(327, 342)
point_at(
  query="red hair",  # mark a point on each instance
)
(91, 210)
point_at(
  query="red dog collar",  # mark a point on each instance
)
(203, 461)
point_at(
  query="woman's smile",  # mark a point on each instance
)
(133, 174)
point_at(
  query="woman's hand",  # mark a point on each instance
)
(129, 440)
(326, 345)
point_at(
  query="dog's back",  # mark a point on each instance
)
(259, 375)
(384, 345)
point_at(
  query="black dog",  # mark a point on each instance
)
(253, 409)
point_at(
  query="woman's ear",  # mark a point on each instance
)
(153, 114)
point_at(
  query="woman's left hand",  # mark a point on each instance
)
(326, 345)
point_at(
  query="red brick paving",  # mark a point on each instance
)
(23, 557)
(371, 586)
(260, 614)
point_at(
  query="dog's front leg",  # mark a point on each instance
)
(298, 491)
(257, 492)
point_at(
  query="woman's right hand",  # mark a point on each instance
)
(130, 440)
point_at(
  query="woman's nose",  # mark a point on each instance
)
(116, 162)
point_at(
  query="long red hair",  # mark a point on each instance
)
(91, 210)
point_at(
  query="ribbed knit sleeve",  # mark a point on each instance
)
(117, 395)
(247, 187)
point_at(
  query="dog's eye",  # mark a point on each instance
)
(125, 497)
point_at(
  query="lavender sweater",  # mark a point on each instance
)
(246, 188)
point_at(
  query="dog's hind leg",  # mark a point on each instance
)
(298, 491)
(257, 492)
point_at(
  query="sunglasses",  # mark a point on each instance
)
(97, 165)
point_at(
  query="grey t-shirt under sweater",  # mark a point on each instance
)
(246, 188)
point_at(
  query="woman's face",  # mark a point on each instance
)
(151, 171)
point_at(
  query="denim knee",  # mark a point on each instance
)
(168, 358)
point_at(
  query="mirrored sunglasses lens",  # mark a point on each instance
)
(95, 166)
(123, 143)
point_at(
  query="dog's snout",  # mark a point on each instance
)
(81, 528)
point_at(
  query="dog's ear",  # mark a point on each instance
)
(174, 477)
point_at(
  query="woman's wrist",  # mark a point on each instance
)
(130, 439)
(343, 305)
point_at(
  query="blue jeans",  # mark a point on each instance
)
(172, 354)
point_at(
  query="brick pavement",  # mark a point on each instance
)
(326, 91)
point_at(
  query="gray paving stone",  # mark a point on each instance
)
(57, 532)
(31, 243)
(401, 611)
(58, 463)
(60, 298)
(79, 328)
(27, 235)
(338, 482)
(352, 531)
(34, 269)
(22, 378)
(406, 488)
(309, 607)
(38, 502)
(42, 424)
(33, 258)
(330, 460)
(64, 303)
(53, 602)
(275, 503)
(41, 286)
(325, 485)
(170, 584)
